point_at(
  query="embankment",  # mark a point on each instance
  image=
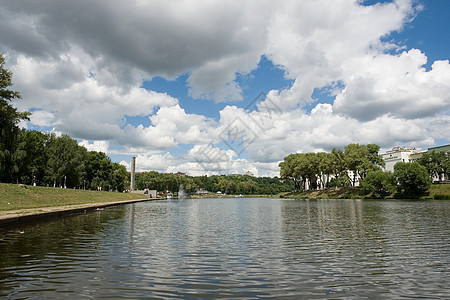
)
(18, 202)
(436, 191)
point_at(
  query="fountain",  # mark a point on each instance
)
(181, 193)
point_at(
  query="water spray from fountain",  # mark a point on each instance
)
(181, 193)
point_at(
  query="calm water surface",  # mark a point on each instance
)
(234, 248)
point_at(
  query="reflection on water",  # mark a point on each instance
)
(238, 247)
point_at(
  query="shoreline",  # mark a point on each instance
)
(10, 217)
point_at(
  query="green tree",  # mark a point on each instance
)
(325, 161)
(227, 185)
(412, 178)
(302, 168)
(9, 131)
(66, 162)
(436, 162)
(172, 182)
(311, 169)
(98, 171)
(150, 180)
(338, 169)
(120, 177)
(189, 184)
(379, 184)
(33, 144)
(288, 170)
(361, 159)
(374, 158)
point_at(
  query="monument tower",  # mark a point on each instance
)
(133, 172)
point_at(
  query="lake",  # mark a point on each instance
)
(249, 248)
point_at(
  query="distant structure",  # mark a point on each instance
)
(202, 192)
(133, 172)
(398, 154)
(150, 193)
(402, 154)
(441, 178)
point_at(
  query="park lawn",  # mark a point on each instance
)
(440, 191)
(14, 197)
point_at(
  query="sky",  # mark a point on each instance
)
(225, 87)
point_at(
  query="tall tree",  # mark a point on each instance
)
(66, 162)
(339, 168)
(361, 159)
(436, 162)
(120, 177)
(325, 168)
(98, 170)
(356, 158)
(9, 131)
(33, 163)
(374, 158)
(288, 170)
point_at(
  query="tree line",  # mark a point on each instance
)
(324, 170)
(32, 157)
(58, 161)
(311, 171)
(228, 184)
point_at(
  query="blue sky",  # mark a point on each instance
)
(170, 84)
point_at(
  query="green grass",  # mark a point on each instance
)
(440, 191)
(14, 197)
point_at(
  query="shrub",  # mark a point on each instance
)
(341, 181)
(379, 184)
(412, 178)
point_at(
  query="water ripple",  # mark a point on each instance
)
(234, 248)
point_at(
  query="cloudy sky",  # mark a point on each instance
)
(218, 87)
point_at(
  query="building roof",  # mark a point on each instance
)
(445, 148)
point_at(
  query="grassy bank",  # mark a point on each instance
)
(437, 191)
(340, 193)
(440, 191)
(14, 197)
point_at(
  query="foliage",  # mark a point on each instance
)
(9, 131)
(361, 159)
(323, 170)
(33, 157)
(66, 161)
(34, 160)
(379, 184)
(340, 181)
(46, 159)
(288, 171)
(120, 178)
(98, 171)
(227, 184)
(161, 182)
(437, 163)
(412, 178)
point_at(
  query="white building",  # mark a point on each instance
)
(398, 154)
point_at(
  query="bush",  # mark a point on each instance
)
(341, 181)
(379, 184)
(412, 178)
